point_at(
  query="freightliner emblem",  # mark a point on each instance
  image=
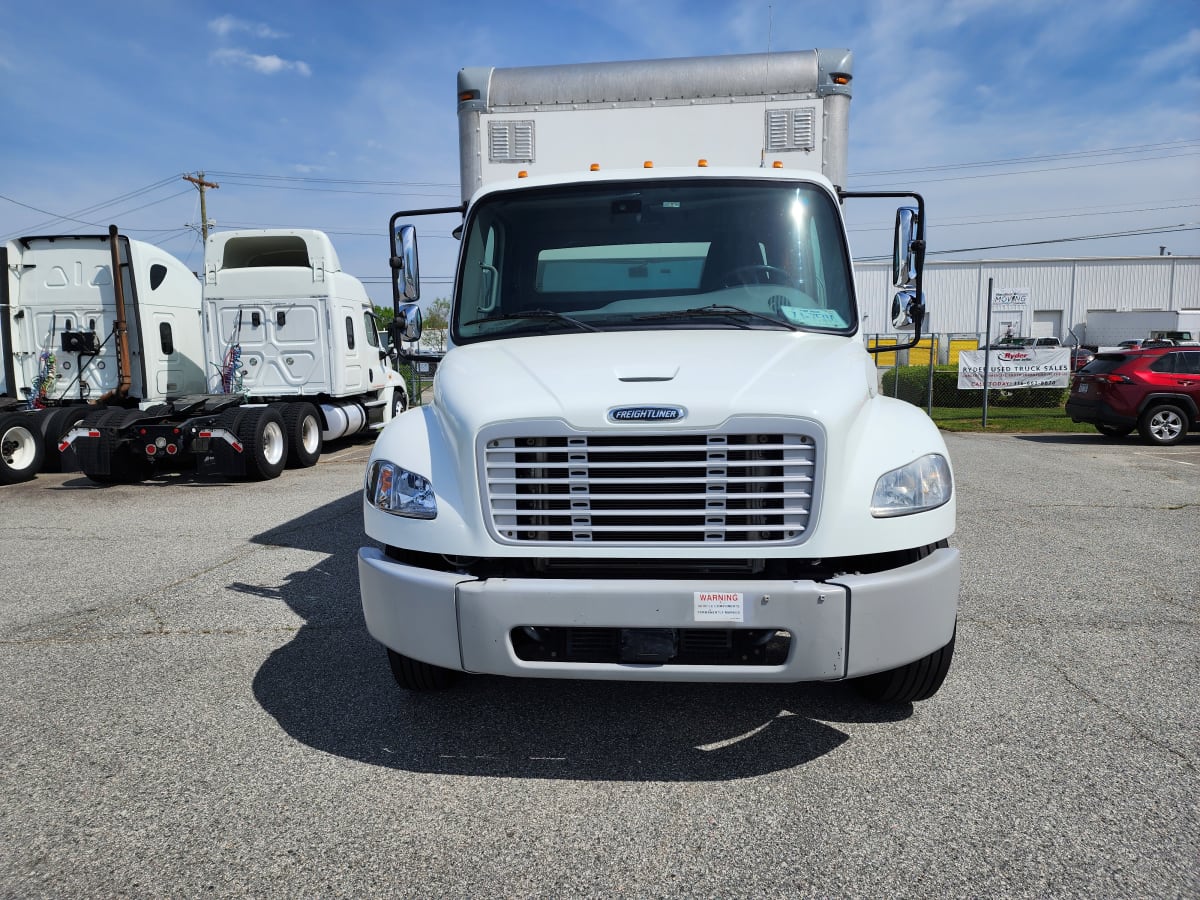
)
(646, 413)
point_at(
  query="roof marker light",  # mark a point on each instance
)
(778, 164)
(648, 164)
(840, 78)
(523, 174)
(702, 163)
(594, 167)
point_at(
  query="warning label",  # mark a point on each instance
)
(719, 606)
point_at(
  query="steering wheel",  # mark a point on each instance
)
(757, 274)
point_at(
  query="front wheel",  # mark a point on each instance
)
(414, 675)
(1163, 425)
(916, 681)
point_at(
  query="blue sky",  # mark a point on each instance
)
(1022, 122)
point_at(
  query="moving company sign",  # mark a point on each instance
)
(1048, 368)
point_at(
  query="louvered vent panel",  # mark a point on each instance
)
(511, 141)
(748, 488)
(790, 129)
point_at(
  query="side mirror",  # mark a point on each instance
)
(407, 324)
(908, 248)
(908, 310)
(406, 279)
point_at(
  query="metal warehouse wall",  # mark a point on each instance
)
(1061, 291)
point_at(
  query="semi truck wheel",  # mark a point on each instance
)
(264, 442)
(414, 675)
(302, 424)
(916, 681)
(21, 449)
(399, 400)
(55, 424)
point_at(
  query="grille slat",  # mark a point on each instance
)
(660, 488)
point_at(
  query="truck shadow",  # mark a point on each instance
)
(330, 688)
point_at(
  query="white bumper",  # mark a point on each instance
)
(854, 625)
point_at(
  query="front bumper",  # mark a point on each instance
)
(850, 626)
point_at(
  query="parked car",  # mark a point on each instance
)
(1080, 357)
(1145, 343)
(1156, 391)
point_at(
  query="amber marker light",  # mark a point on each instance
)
(702, 163)
(648, 164)
(523, 174)
(594, 167)
(839, 78)
(778, 164)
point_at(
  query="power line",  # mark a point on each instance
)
(1115, 162)
(1137, 232)
(1078, 154)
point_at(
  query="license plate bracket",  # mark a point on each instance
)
(648, 645)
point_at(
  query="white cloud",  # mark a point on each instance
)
(264, 65)
(1173, 56)
(227, 25)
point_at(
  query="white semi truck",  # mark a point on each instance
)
(275, 353)
(656, 448)
(73, 339)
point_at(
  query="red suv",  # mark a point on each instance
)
(1156, 391)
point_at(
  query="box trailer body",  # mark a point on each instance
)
(656, 448)
(61, 332)
(293, 359)
(1108, 328)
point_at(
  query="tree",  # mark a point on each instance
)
(436, 319)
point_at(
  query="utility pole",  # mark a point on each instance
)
(201, 184)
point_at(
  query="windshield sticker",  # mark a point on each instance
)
(817, 318)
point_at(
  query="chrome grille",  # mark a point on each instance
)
(652, 488)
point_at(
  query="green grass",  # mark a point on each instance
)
(1007, 420)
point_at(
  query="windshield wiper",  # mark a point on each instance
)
(535, 314)
(716, 310)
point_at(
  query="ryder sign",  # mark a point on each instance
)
(1018, 368)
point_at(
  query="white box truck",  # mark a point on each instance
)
(292, 359)
(656, 448)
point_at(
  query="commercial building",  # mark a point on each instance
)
(1049, 297)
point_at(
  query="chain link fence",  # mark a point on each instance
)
(927, 376)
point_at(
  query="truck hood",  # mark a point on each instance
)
(711, 375)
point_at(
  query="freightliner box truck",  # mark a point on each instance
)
(656, 447)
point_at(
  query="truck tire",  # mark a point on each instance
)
(414, 675)
(55, 424)
(302, 424)
(1163, 424)
(912, 683)
(264, 442)
(399, 400)
(21, 448)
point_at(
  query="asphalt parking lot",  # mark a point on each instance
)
(191, 706)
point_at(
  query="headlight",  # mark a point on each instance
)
(399, 492)
(922, 485)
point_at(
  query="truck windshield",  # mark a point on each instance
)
(686, 253)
